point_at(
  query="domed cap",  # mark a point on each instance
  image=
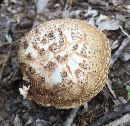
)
(65, 61)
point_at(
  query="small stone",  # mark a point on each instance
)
(25, 23)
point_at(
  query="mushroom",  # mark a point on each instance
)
(65, 61)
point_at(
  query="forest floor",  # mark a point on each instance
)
(110, 107)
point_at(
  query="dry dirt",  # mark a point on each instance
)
(17, 17)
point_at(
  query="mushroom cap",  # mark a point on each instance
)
(66, 62)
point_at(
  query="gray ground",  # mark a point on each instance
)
(18, 16)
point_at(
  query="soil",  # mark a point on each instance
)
(17, 17)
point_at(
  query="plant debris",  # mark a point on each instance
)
(17, 17)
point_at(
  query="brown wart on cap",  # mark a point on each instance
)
(72, 67)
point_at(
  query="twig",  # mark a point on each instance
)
(113, 115)
(124, 32)
(116, 55)
(121, 121)
(116, 43)
(110, 88)
(71, 117)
